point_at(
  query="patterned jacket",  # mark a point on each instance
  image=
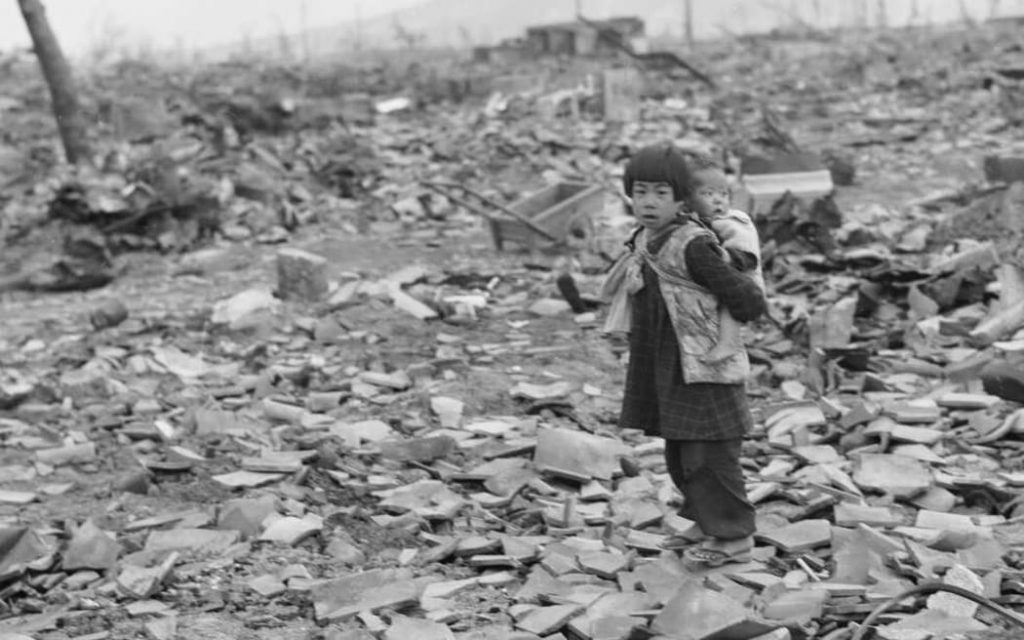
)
(694, 311)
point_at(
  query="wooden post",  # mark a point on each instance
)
(304, 19)
(688, 22)
(60, 81)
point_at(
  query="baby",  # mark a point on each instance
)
(736, 232)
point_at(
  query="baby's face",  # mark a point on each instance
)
(710, 194)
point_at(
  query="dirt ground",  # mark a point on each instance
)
(140, 402)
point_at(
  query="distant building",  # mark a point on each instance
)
(594, 38)
(580, 39)
(507, 52)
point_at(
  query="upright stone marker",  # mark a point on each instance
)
(301, 275)
(620, 91)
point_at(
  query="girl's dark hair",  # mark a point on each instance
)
(659, 163)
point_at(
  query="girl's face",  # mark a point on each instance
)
(654, 204)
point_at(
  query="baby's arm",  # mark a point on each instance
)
(739, 238)
(740, 258)
(737, 292)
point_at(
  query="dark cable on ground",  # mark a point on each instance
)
(927, 589)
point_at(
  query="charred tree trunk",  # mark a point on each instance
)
(59, 79)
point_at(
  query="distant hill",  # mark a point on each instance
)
(465, 23)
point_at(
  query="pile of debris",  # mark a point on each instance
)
(386, 497)
(432, 453)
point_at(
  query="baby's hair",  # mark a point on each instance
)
(659, 163)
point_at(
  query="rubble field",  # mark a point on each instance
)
(264, 374)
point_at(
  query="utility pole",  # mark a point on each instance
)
(359, 27)
(688, 22)
(304, 18)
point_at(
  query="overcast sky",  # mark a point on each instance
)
(85, 26)
(82, 24)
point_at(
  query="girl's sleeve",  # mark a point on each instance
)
(737, 292)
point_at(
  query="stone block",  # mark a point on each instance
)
(578, 454)
(797, 607)
(544, 621)
(198, 541)
(343, 598)
(605, 565)
(897, 475)
(799, 536)
(289, 530)
(90, 548)
(301, 275)
(697, 613)
(850, 514)
(406, 628)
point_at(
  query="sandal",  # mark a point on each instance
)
(675, 543)
(716, 557)
(684, 539)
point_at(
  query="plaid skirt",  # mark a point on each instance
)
(657, 398)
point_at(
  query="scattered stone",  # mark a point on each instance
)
(951, 604)
(84, 384)
(449, 588)
(549, 307)
(301, 275)
(17, 497)
(577, 455)
(429, 499)
(797, 607)
(291, 531)
(448, 411)
(850, 514)
(141, 608)
(605, 565)
(929, 624)
(244, 309)
(817, 454)
(80, 580)
(544, 621)
(405, 628)
(538, 392)
(404, 302)
(246, 515)
(143, 582)
(198, 541)
(90, 548)
(706, 614)
(345, 552)
(419, 449)
(267, 585)
(916, 435)
(398, 380)
(247, 479)
(107, 314)
(799, 536)
(70, 454)
(968, 401)
(897, 475)
(164, 628)
(342, 598)
(948, 521)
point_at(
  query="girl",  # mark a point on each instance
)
(679, 279)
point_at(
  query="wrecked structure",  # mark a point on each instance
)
(578, 38)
